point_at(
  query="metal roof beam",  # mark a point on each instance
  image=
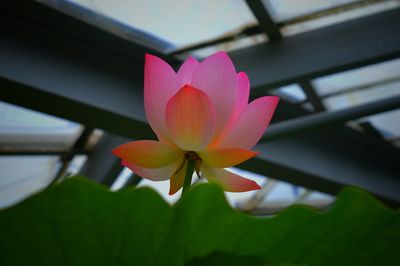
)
(332, 49)
(266, 22)
(329, 119)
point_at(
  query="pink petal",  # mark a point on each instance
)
(227, 157)
(249, 127)
(155, 174)
(243, 92)
(160, 84)
(241, 104)
(228, 180)
(216, 76)
(190, 118)
(177, 179)
(148, 153)
(185, 72)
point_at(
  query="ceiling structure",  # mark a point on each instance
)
(55, 59)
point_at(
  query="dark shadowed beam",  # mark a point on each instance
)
(104, 94)
(332, 157)
(336, 48)
(24, 151)
(369, 129)
(312, 96)
(328, 159)
(321, 163)
(266, 22)
(66, 159)
(48, 57)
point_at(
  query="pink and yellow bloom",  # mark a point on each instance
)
(200, 113)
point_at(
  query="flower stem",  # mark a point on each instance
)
(188, 176)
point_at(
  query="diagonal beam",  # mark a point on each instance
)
(329, 119)
(267, 24)
(312, 96)
(66, 159)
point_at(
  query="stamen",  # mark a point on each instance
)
(191, 155)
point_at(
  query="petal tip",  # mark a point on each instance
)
(172, 189)
(256, 186)
(171, 192)
(270, 101)
(220, 53)
(115, 151)
(250, 185)
(274, 98)
(242, 74)
(187, 87)
(191, 58)
(147, 56)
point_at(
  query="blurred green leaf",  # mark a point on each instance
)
(81, 223)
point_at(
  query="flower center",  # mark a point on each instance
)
(191, 155)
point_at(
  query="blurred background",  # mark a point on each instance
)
(71, 89)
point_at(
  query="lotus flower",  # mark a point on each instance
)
(201, 114)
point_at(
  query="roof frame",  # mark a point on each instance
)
(67, 76)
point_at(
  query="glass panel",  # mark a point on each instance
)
(20, 127)
(181, 23)
(381, 74)
(362, 96)
(25, 130)
(293, 93)
(386, 123)
(282, 10)
(309, 24)
(22, 176)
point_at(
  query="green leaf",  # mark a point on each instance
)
(81, 223)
